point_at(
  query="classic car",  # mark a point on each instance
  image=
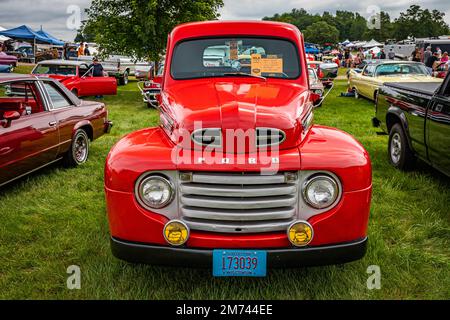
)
(41, 122)
(316, 87)
(326, 71)
(77, 77)
(120, 67)
(7, 60)
(150, 89)
(373, 76)
(237, 177)
(143, 72)
(417, 118)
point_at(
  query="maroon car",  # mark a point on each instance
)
(42, 122)
(8, 60)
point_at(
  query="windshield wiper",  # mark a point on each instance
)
(243, 74)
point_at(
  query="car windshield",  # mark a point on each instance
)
(395, 69)
(312, 74)
(240, 57)
(56, 69)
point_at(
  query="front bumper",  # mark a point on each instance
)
(276, 258)
(108, 126)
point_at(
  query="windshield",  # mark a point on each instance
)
(56, 69)
(396, 69)
(312, 75)
(220, 57)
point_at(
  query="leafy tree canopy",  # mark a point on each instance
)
(139, 28)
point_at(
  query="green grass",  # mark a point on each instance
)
(56, 218)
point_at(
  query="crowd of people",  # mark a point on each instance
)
(433, 60)
(347, 59)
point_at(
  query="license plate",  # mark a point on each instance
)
(239, 263)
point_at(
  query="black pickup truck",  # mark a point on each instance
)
(417, 118)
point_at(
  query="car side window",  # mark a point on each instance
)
(57, 98)
(20, 96)
(367, 71)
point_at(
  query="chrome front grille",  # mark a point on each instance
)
(238, 202)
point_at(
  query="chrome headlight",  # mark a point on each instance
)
(321, 191)
(154, 191)
(318, 91)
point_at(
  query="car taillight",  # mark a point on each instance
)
(321, 74)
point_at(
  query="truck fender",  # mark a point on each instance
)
(396, 115)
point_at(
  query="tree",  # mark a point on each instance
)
(420, 23)
(386, 30)
(139, 28)
(321, 32)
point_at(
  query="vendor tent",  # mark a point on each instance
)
(52, 39)
(24, 33)
(372, 43)
(346, 42)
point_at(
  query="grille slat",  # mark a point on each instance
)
(238, 202)
(237, 179)
(237, 215)
(238, 191)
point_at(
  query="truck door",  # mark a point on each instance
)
(438, 128)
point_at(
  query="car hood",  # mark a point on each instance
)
(408, 78)
(239, 104)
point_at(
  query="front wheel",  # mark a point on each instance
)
(124, 79)
(400, 154)
(79, 149)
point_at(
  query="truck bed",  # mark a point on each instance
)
(428, 88)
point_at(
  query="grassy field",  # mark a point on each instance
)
(56, 218)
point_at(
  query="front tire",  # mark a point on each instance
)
(79, 149)
(123, 81)
(400, 154)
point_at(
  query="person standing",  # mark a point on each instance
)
(81, 50)
(427, 54)
(445, 57)
(391, 54)
(86, 50)
(382, 54)
(439, 52)
(431, 62)
(416, 55)
(97, 70)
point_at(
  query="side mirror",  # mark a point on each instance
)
(9, 116)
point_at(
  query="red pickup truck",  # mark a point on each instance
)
(237, 177)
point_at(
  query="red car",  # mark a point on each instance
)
(77, 77)
(237, 177)
(41, 122)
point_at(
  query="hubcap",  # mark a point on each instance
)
(396, 148)
(80, 149)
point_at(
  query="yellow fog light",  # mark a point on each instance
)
(176, 233)
(300, 233)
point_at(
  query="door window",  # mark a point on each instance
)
(57, 98)
(20, 96)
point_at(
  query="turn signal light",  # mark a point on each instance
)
(176, 233)
(300, 233)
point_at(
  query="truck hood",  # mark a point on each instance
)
(239, 104)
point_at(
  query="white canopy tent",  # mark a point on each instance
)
(372, 43)
(3, 38)
(374, 50)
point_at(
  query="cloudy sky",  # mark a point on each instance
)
(59, 16)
